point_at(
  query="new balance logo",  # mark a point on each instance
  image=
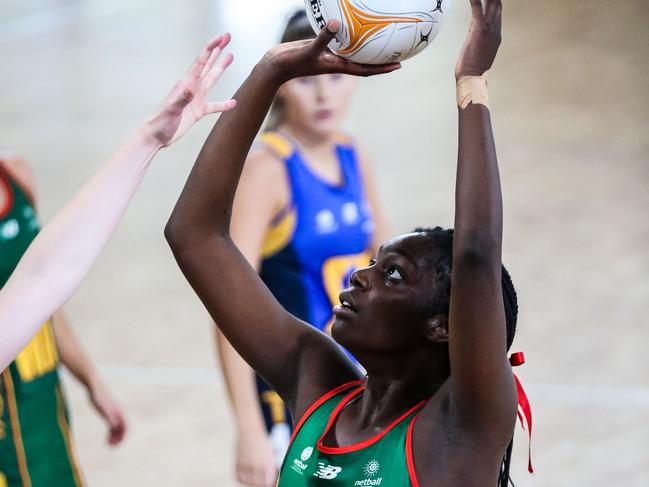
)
(327, 472)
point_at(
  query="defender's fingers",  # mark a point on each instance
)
(197, 66)
(217, 71)
(216, 53)
(220, 106)
(326, 35)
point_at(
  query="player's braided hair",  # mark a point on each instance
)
(440, 243)
(297, 28)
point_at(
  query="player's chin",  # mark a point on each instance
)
(324, 128)
(341, 327)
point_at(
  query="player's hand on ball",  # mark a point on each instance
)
(483, 40)
(187, 102)
(312, 57)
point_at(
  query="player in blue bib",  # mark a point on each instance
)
(320, 237)
(306, 217)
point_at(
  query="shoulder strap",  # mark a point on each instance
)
(277, 144)
(344, 140)
(321, 401)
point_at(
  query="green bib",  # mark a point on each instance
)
(382, 460)
(35, 441)
(18, 225)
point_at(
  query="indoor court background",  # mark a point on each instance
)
(570, 108)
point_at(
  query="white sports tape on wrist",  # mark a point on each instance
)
(472, 89)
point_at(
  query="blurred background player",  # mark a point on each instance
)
(36, 447)
(306, 216)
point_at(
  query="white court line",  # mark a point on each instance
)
(572, 395)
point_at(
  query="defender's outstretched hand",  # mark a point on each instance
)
(187, 102)
(60, 257)
(481, 45)
(312, 57)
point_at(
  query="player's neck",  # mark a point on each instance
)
(393, 386)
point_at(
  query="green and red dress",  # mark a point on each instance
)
(36, 447)
(385, 459)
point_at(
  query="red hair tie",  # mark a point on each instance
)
(524, 409)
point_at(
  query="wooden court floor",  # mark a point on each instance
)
(570, 107)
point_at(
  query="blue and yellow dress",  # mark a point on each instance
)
(35, 442)
(311, 249)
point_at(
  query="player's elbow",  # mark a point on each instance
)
(477, 252)
(180, 244)
(189, 243)
(180, 236)
(173, 233)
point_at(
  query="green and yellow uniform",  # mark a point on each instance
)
(385, 459)
(35, 441)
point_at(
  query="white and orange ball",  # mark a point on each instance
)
(379, 31)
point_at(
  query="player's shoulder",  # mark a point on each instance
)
(346, 140)
(266, 159)
(263, 178)
(275, 144)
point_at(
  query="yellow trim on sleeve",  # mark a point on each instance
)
(279, 145)
(344, 139)
(280, 235)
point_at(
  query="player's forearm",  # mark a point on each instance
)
(241, 388)
(206, 201)
(60, 257)
(478, 199)
(73, 357)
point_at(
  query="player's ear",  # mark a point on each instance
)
(437, 329)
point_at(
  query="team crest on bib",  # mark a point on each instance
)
(306, 454)
(299, 464)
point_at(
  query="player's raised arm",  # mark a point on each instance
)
(481, 379)
(271, 340)
(60, 257)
